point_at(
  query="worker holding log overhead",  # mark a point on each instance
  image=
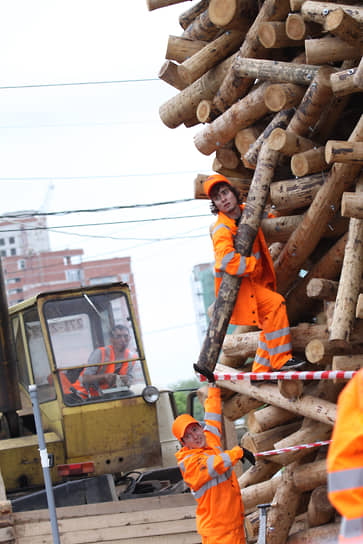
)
(257, 302)
(345, 461)
(208, 471)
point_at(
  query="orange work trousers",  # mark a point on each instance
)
(235, 536)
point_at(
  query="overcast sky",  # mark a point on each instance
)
(86, 146)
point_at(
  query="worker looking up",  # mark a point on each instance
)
(257, 302)
(93, 378)
(345, 461)
(208, 471)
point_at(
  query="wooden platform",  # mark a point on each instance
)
(168, 519)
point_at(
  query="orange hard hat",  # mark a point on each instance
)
(211, 181)
(181, 423)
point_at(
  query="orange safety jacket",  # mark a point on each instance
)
(345, 461)
(256, 269)
(209, 474)
(110, 369)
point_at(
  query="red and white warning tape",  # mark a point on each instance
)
(268, 376)
(291, 448)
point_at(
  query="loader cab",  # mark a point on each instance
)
(54, 336)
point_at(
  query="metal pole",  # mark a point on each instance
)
(45, 464)
(262, 518)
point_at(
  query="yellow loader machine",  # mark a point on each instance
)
(47, 341)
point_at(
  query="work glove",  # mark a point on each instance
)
(248, 456)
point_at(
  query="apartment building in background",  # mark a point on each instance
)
(30, 267)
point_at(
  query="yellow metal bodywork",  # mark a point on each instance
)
(20, 459)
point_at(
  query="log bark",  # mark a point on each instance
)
(352, 205)
(205, 111)
(295, 193)
(239, 405)
(307, 405)
(343, 83)
(241, 115)
(262, 470)
(213, 53)
(268, 417)
(322, 289)
(358, 76)
(299, 305)
(201, 28)
(282, 96)
(180, 49)
(291, 390)
(348, 362)
(246, 233)
(280, 120)
(314, 101)
(349, 284)
(316, 219)
(279, 229)
(287, 142)
(329, 119)
(359, 309)
(155, 4)
(183, 106)
(344, 26)
(318, 11)
(188, 16)
(329, 49)
(297, 29)
(275, 71)
(338, 151)
(243, 140)
(170, 74)
(242, 185)
(325, 534)
(234, 87)
(281, 515)
(228, 156)
(308, 162)
(265, 440)
(272, 35)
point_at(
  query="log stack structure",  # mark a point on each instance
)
(274, 89)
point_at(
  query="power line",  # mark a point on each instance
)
(117, 176)
(79, 83)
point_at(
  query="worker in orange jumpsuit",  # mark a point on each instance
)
(345, 461)
(257, 302)
(94, 377)
(208, 471)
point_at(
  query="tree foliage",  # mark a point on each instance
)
(181, 391)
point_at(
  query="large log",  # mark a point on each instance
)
(265, 418)
(272, 35)
(170, 74)
(242, 114)
(348, 362)
(338, 151)
(324, 534)
(265, 440)
(297, 29)
(283, 509)
(179, 48)
(318, 11)
(184, 105)
(246, 233)
(305, 238)
(329, 49)
(229, 13)
(349, 283)
(307, 405)
(233, 86)
(344, 26)
(239, 405)
(288, 143)
(352, 205)
(343, 83)
(295, 193)
(205, 59)
(308, 162)
(282, 96)
(261, 471)
(320, 510)
(188, 16)
(201, 28)
(275, 71)
(322, 289)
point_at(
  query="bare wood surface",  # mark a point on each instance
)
(170, 74)
(291, 389)
(265, 418)
(322, 289)
(320, 510)
(228, 156)
(359, 309)
(349, 283)
(262, 470)
(343, 82)
(179, 48)
(155, 4)
(233, 86)
(227, 13)
(325, 534)
(239, 405)
(282, 96)
(201, 28)
(329, 49)
(344, 26)
(243, 140)
(318, 11)
(242, 114)
(297, 29)
(347, 362)
(188, 16)
(265, 440)
(358, 76)
(308, 162)
(214, 52)
(317, 217)
(288, 142)
(338, 151)
(272, 35)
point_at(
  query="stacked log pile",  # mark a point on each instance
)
(283, 79)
